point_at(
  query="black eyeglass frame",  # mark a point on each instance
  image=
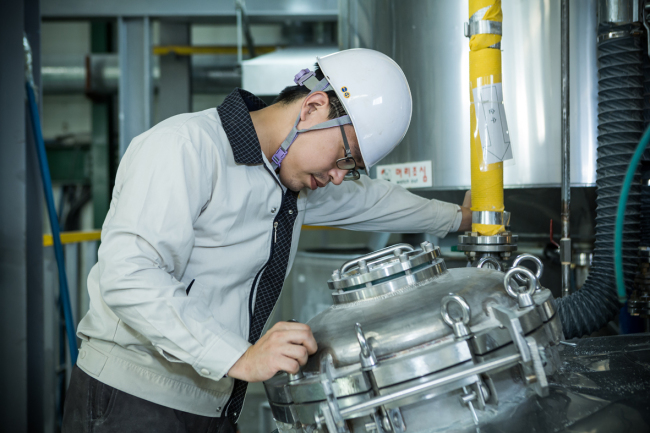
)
(347, 161)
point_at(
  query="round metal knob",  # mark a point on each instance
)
(523, 297)
(459, 326)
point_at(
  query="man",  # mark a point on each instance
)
(201, 232)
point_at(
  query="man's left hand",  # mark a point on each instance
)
(466, 209)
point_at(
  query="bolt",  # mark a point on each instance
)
(363, 267)
(370, 426)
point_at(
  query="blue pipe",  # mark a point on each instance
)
(620, 215)
(54, 222)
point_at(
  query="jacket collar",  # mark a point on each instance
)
(237, 123)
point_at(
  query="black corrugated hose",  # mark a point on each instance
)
(621, 113)
(645, 206)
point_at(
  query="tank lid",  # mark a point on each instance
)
(370, 275)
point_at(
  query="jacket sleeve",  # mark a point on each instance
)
(376, 205)
(165, 182)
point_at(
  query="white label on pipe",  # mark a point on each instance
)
(408, 174)
(491, 123)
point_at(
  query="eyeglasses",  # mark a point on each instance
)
(347, 162)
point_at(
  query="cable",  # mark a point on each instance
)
(54, 222)
(620, 216)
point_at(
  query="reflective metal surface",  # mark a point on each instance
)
(618, 11)
(416, 308)
(426, 39)
(460, 352)
(435, 340)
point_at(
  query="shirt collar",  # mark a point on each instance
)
(237, 123)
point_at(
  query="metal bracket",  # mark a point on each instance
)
(531, 360)
(330, 411)
(541, 384)
(386, 420)
(565, 251)
(510, 320)
(366, 355)
(467, 399)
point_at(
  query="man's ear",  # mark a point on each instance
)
(313, 104)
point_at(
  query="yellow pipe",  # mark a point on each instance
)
(484, 68)
(73, 237)
(186, 50)
(95, 235)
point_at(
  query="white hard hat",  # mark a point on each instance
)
(376, 96)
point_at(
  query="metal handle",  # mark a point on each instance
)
(347, 265)
(490, 260)
(523, 257)
(524, 297)
(458, 326)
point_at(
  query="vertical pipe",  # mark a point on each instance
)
(565, 241)
(240, 43)
(147, 75)
(484, 68)
(14, 230)
(135, 89)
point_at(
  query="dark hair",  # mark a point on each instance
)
(293, 93)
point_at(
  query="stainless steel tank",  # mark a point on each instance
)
(425, 37)
(409, 343)
(409, 346)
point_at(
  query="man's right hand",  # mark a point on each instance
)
(285, 347)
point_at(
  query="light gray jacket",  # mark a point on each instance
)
(183, 209)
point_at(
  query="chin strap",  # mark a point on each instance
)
(308, 79)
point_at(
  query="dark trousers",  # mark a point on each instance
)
(93, 407)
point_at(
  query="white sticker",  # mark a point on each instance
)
(408, 174)
(491, 123)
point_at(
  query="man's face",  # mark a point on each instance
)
(311, 160)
